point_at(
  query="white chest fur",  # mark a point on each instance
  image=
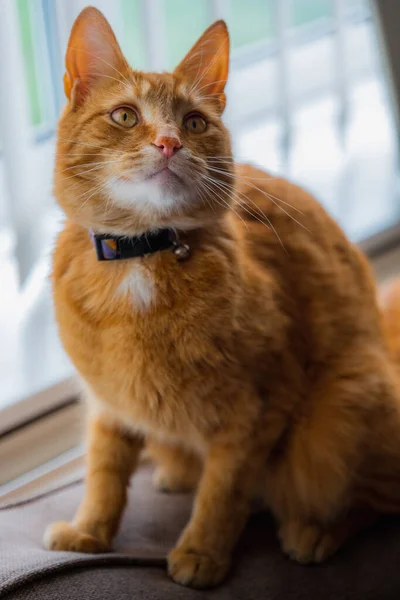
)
(139, 285)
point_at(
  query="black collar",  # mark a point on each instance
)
(115, 247)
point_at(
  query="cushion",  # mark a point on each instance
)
(367, 568)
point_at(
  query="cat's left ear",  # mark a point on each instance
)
(206, 65)
(93, 53)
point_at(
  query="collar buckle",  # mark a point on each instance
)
(107, 247)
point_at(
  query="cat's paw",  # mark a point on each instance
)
(63, 536)
(306, 543)
(165, 481)
(189, 567)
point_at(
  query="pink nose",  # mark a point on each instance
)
(167, 145)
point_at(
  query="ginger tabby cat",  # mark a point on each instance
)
(256, 366)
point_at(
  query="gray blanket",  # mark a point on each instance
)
(368, 568)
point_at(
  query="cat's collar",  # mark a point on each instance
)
(116, 247)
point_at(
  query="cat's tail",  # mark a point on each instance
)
(379, 480)
(389, 300)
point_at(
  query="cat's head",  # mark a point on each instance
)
(135, 150)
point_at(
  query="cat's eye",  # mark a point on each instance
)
(124, 116)
(195, 123)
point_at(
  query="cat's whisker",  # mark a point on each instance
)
(251, 210)
(221, 160)
(230, 156)
(225, 203)
(230, 192)
(81, 195)
(84, 172)
(204, 198)
(95, 190)
(86, 153)
(267, 195)
(85, 144)
(108, 206)
(235, 160)
(69, 188)
(72, 186)
(272, 197)
(85, 192)
(245, 207)
(236, 193)
(227, 161)
(89, 164)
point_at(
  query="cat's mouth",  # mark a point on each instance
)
(162, 175)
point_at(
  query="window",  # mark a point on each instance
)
(306, 98)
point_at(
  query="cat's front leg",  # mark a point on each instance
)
(112, 456)
(203, 554)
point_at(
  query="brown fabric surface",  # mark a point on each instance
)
(368, 568)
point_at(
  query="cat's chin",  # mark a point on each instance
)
(164, 192)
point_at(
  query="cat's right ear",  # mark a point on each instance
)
(93, 52)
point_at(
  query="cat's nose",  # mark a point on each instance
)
(168, 145)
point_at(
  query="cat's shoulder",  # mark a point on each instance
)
(72, 242)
